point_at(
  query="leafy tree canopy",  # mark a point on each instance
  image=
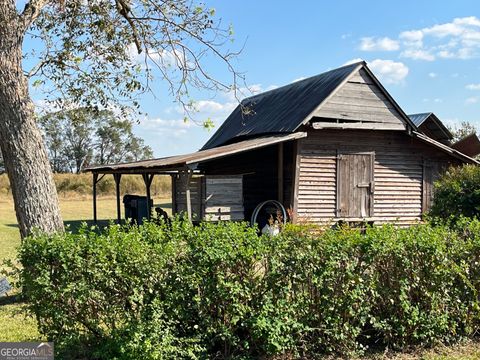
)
(79, 137)
(105, 53)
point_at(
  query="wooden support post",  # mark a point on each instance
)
(187, 175)
(297, 145)
(95, 180)
(174, 193)
(117, 178)
(280, 173)
(148, 178)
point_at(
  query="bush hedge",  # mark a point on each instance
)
(221, 291)
(457, 193)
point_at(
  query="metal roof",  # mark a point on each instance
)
(179, 162)
(432, 126)
(281, 110)
(469, 145)
(418, 119)
(445, 148)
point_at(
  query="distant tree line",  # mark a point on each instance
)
(462, 130)
(81, 137)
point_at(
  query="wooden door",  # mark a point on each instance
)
(355, 185)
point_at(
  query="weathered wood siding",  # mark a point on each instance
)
(259, 169)
(180, 197)
(316, 198)
(216, 197)
(398, 173)
(360, 100)
(223, 197)
(355, 184)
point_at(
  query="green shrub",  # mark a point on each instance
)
(221, 291)
(457, 193)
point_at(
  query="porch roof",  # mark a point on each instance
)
(189, 161)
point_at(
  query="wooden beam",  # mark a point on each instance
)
(359, 125)
(280, 173)
(117, 178)
(95, 180)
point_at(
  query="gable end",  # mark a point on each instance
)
(359, 103)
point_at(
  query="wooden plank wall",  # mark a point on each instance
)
(360, 99)
(398, 173)
(316, 197)
(259, 169)
(196, 196)
(224, 197)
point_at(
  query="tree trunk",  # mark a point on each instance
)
(26, 161)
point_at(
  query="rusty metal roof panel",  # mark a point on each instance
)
(469, 145)
(182, 161)
(281, 110)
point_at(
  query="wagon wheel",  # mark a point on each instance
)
(263, 205)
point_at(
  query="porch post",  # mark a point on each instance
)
(147, 179)
(280, 173)
(117, 178)
(187, 175)
(95, 180)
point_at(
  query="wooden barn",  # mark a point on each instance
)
(332, 147)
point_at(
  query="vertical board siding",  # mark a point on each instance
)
(355, 182)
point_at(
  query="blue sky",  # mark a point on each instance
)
(426, 53)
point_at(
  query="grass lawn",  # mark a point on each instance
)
(15, 326)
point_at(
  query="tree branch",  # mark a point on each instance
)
(124, 10)
(31, 11)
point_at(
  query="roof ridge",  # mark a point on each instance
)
(353, 65)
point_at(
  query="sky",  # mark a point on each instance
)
(426, 54)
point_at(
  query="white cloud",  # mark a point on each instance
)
(378, 44)
(352, 61)
(413, 38)
(417, 54)
(214, 106)
(472, 100)
(299, 79)
(432, 75)
(456, 39)
(163, 57)
(473, 87)
(389, 71)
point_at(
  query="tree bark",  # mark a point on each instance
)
(26, 161)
